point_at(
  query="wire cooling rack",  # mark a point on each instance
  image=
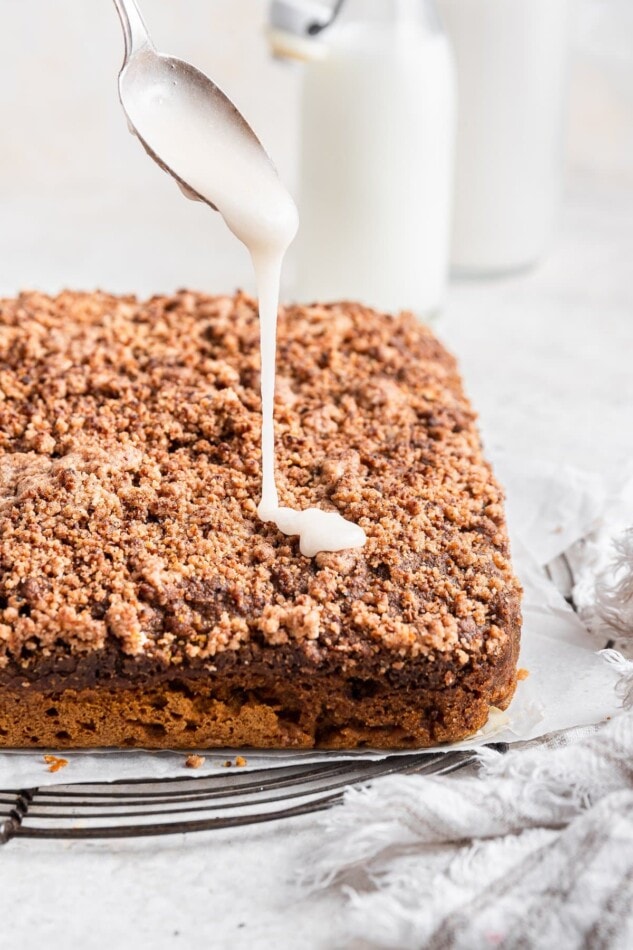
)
(175, 805)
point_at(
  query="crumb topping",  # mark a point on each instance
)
(130, 475)
(54, 763)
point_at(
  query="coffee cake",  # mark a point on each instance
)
(142, 601)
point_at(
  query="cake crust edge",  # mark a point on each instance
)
(240, 710)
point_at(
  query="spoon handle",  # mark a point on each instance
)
(134, 29)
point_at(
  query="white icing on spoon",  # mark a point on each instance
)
(196, 134)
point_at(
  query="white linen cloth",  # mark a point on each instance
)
(534, 848)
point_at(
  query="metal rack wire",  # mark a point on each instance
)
(173, 806)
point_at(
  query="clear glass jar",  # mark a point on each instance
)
(376, 164)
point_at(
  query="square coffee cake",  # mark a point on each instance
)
(143, 602)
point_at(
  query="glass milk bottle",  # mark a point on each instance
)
(376, 161)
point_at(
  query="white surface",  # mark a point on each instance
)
(546, 356)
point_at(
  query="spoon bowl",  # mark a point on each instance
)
(177, 113)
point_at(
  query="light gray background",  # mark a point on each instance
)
(546, 356)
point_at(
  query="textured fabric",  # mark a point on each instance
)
(535, 850)
(602, 566)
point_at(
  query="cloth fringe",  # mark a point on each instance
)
(602, 565)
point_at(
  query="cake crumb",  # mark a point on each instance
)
(194, 761)
(522, 673)
(55, 763)
(227, 764)
(240, 761)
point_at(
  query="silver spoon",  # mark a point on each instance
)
(149, 75)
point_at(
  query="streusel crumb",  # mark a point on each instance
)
(130, 475)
